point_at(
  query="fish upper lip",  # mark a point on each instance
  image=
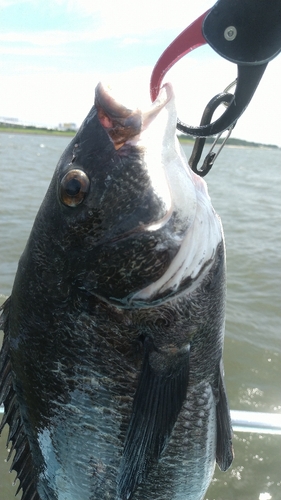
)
(117, 110)
(122, 123)
(113, 108)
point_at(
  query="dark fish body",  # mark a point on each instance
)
(111, 366)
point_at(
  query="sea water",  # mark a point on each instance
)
(244, 185)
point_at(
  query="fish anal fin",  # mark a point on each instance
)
(157, 403)
(224, 452)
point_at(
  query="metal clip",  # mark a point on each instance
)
(223, 98)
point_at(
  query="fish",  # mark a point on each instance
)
(111, 367)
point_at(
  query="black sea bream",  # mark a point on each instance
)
(111, 366)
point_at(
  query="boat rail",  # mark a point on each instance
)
(248, 421)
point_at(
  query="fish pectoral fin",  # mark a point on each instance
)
(224, 452)
(158, 400)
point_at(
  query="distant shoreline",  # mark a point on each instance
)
(231, 142)
(183, 139)
(36, 131)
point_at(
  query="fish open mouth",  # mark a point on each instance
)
(122, 123)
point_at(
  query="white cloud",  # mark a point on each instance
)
(128, 17)
(124, 19)
(48, 37)
(9, 3)
(130, 41)
(12, 42)
(20, 50)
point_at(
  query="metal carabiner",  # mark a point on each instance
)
(223, 98)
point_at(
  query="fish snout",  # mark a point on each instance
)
(120, 122)
(123, 123)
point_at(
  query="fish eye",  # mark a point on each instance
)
(74, 187)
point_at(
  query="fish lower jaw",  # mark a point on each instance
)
(164, 97)
(190, 265)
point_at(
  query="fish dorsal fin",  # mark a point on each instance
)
(22, 462)
(157, 403)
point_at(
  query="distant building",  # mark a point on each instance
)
(67, 126)
(5, 119)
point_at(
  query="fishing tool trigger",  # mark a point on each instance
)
(245, 32)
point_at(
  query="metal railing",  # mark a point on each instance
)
(249, 421)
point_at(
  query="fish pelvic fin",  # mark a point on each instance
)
(22, 462)
(157, 403)
(224, 452)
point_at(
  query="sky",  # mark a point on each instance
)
(53, 54)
